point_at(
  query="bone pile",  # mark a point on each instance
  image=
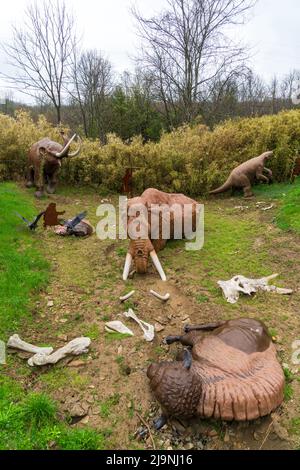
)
(44, 356)
(232, 288)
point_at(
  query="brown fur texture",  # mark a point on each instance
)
(141, 248)
(234, 374)
(246, 174)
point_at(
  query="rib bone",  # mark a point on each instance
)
(16, 342)
(160, 297)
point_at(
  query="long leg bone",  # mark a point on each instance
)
(233, 287)
(16, 342)
(146, 327)
(75, 347)
(118, 327)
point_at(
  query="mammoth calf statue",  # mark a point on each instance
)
(246, 174)
(231, 373)
(44, 160)
(170, 210)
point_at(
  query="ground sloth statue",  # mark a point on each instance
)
(231, 373)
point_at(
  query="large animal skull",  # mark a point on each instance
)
(141, 248)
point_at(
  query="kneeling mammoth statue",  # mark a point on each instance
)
(44, 159)
(160, 216)
(231, 373)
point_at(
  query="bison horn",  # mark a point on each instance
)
(65, 149)
(74, 154)
(128, 262)
(158, 266)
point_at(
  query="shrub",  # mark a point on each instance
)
(190, 159)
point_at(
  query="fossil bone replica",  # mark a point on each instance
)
(17, 343)
(75, 347)
(146, 327)
(123, 298)
(117, 326)
(231, 373)
(245, 175)
(231, 289)
(51, 215)
(44, 161)
(141, 248)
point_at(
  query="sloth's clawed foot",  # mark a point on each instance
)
(172, 339)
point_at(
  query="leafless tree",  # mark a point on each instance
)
(187, 46)
(92, 80)
(40, 51)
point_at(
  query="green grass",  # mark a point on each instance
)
(107, 405)
(288, 217)
(23, 270)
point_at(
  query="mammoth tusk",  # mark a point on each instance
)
(160, 297)
(158, 266)
(74, 154)
(127, 296)
(128, 262)
(65, 149)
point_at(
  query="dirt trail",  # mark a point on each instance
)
(109, 386)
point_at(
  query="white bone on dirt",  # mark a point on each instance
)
(146, 327)
(127, 296)
(17, 343)
(164, 298)
(118, 327)
(233, 287)
(75, 347)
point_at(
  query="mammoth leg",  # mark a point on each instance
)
(160, 422)
(30, 178)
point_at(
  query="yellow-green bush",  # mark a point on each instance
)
(190, 159)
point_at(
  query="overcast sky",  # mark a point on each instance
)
(107, 25)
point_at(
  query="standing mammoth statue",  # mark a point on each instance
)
(44, 159)
(160, 215)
